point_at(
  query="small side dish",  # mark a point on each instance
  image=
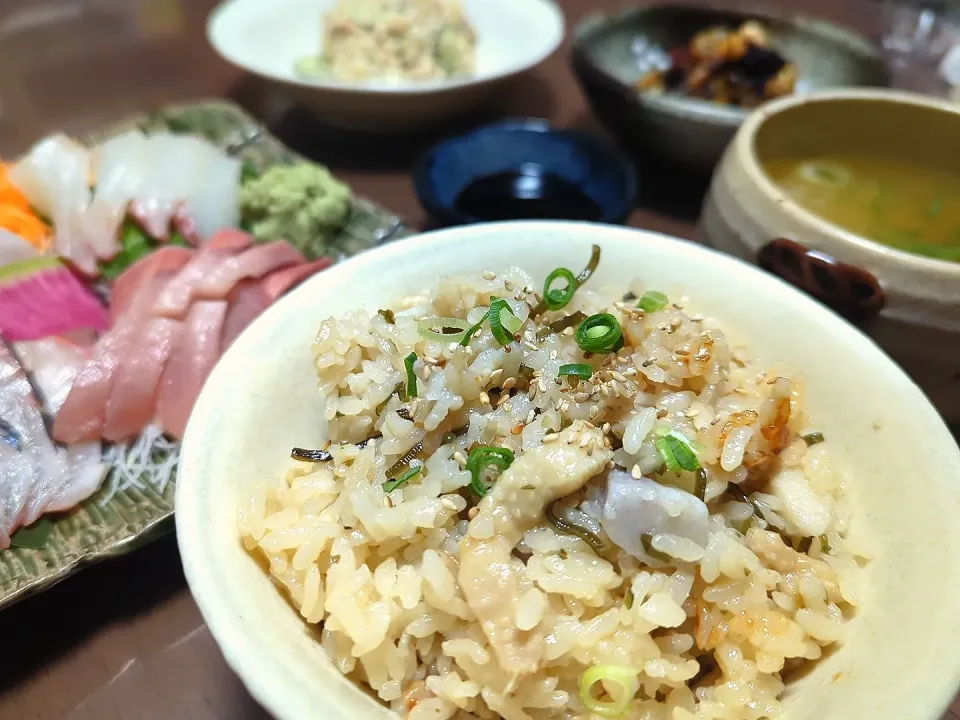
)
(732, 67)
(548, 504)
(394, 40)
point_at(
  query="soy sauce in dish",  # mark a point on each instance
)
(527, 193)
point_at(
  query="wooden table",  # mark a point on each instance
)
(124, 640)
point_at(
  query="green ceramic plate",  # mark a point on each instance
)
(117, 521)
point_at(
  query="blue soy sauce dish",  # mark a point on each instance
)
(524, 169)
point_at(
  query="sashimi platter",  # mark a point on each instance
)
(129, 262)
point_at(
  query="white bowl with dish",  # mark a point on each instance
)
(268, 39)
(899, 460)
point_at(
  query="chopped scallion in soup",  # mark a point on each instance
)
(906, 206)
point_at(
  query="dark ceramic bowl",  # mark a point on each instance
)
(523, 169)
(612, 52)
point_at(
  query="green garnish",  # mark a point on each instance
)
(34, 537)
(599, 333)
(580, 370)
(628, 597)
(824, 544)
(503, 323)
(813, 438)
(408, 362)
(558, 298)
(558, 326)
(572, 287)
(676, 451)
(628, 680)
(308, 455)
(580, 530)
(471, 331)
(443, 329)
(248, 172)
(652, 301)
(134, 246)
(480, 459)
(391, 485)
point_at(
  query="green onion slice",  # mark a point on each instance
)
(391, 485)
(628, 680)
(580, 370)
(579, 280)
(676, 451)
(652, 301)
(480, 459)
(408, 362)
(558, 298)
(558, 326)
(598, 333)
(443, 329)
(503, 323)
(471, 331)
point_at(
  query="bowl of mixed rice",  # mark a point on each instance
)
(541, 471)
(386, 65)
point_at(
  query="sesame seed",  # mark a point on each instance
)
(530, 346)
(460, 457)
(550, 437)
(604, 390)
(505, 404)
(496, 375)
(697, 318)
(635, 472)
(387, 502)
(681, 352)
(554, 354)
(508, 285)
(692, 412)
(661, 413)
(662, 326)
(564, 405)
(517, 429)
(473, 512)
(606, 428)
(581, 397)
(568, 331)
(484, 398)
(487, 275)
(584, 441)
(647, 363)
(594, 411)
(619, 376)
(509, 383)
(541, 385)
(531, 416)
(630, 372)
(741, 391)
(448, 502)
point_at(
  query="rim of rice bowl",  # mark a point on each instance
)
(899, 463)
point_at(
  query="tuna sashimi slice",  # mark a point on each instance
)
(175, 300)
(168, 259)
(247, 300)
(191, 362)
(280, 281)
(133, 397)
(84, 412)
(256, 262)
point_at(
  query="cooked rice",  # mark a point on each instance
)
(405, 584)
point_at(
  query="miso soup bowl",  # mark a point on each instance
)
(909, 304)
(901, 658)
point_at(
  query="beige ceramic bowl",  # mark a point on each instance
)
(920, 323)
(902, 658)
(267, 37)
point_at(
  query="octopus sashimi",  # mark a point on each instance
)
(120, 166)
(133, 396)
(55, 177)
(177, 296)
(190, 364)
(493, 579)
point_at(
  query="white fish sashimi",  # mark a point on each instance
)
(635, 508)
(53, 363)
(55, 177)
(14, 248)
(120, 166)
(176, 166)
(214, 203)
(35, 475)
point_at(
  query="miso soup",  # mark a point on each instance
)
(906, 206)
